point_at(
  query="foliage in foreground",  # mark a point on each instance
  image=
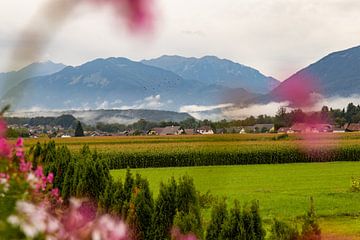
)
(175, 214)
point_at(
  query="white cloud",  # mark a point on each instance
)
(151, 102)
(269, 109)
(337, 102)
(200, 108)
(268, 30)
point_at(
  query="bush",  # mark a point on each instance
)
(311, 229)
(282, 231)
(355, 184)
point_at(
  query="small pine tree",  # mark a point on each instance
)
(259, 231)
(219, 215)
(106, 200)
(233, 228)
(188, 223)
(311, 229)
(188, 217)
(164, 211)
(79, 132)
(118, 202)
(128, 185)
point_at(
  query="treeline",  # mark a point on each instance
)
(178, 206)
(65, 121)
(283, 118)
(337, 117)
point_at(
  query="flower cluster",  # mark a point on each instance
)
(75, 223)
(38, 211)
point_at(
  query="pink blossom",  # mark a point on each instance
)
(3, 128)
(5, 149)
(109, 228)
(50, 178)
(25, 166)
(79, 216)
(20, 143)
(55, 192)
(177, 235)
(39, 172)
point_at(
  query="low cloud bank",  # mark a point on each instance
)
(230, 111)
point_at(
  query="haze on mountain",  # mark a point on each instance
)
(124, 84)
(33, 70)
(172, 82)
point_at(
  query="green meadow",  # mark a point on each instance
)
(283, 190)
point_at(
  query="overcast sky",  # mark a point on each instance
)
(277, 37)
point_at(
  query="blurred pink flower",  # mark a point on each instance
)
(137, 12)
(109, 228)
(177, 235)
(5, 149)
(3, 128)
(25, 166)
(20, 143)
(55, 192)
(50, 178)
(39, 172)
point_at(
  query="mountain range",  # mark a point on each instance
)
(170, 82)
(12, 79)
(125, 84)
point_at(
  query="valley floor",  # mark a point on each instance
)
(282, 190)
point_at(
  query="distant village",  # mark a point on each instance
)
(285, 122)
(61, 132)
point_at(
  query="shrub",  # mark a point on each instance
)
(310, 228)
(283, 231)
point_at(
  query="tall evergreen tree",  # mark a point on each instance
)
(188, 217)
(219, 215)
(164, 211)
(79, 132)
(233, 228)
(128, 185)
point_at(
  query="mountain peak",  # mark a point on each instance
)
(213, 70)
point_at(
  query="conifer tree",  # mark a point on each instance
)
(79, 132)
(311, 229)
(188, 215)
(164, 211)
(233, 227)
(219, 215)
(128, 185)
(257, 221)
(118, 206)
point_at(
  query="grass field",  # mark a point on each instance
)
(226, 142)
(283, 190)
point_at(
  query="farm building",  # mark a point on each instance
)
(170, 130)
(233, 130)
(285, 130)
(264, 127)
(352, 127)
(311, 128)
(205, 130)
(189, 131)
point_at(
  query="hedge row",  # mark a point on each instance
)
(121, 160)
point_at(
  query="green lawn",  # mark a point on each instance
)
(283, 190)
